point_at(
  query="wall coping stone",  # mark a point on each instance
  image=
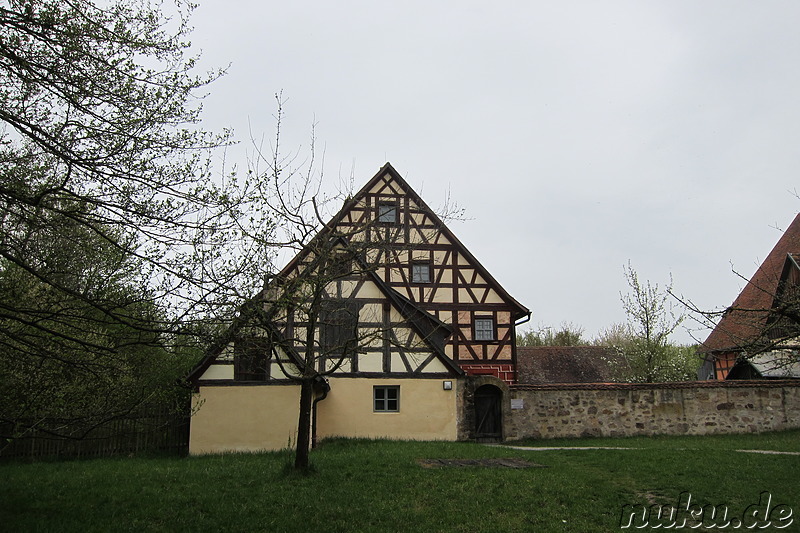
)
(710, 384)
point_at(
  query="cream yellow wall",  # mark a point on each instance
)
(426, 411)
(248, 418)
(218, 372)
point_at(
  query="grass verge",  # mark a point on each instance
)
(363, 485)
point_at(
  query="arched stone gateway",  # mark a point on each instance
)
(483, 415)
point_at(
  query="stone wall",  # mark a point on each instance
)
(626, 409)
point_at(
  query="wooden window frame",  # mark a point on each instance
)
(428, 269)
(384, 209)
(386, 398)
(492, 329)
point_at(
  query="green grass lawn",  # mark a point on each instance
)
(380, 486)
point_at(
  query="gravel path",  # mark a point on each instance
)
(547, 448)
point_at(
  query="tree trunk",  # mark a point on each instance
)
(304, 424)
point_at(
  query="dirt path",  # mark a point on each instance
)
(769, 452)
(548, 448)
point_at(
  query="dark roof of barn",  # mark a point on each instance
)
(745, 319)
(565, 364)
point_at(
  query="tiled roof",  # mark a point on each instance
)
(564, 364)
(745, 319)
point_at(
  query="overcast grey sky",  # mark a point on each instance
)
(578, 135)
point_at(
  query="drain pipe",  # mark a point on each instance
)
(516, 325)
(325, 388)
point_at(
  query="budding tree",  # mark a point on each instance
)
(643, 341)
(114, 236)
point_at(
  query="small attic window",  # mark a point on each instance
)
(421, 272)
(387, 213)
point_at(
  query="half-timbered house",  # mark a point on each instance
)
(390, 313)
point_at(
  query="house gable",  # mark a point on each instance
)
(396, 338)
(403, 237)
(419, 235)
(745, 322)
(427, 264)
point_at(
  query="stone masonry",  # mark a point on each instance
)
(626, 409)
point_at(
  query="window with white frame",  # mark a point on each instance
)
(421, 272)
(484, 329)
(386, 398)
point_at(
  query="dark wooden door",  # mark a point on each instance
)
(488, 414)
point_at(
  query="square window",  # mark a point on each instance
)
(386, 398)
(420, 273)
(484, 329)
(251, 358)
(387, 213)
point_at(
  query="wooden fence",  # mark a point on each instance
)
(156, 430)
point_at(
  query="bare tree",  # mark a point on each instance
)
(759, 333)
(312, 316)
